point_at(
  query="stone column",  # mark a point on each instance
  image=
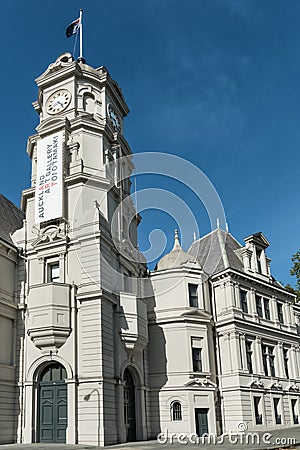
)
(236, 351)
(273, 310)
(294, 369)
(251, 303)
(141, 413)
(258, 366)
(230, 297)
(225, 353)
(237, 295)
(243, 352)
(120, 412)
(72, 412)
(263, 262)
(29, 425)
(279, 364)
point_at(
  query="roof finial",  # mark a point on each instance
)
(194, 235)
(176, 240)
(218, 223)
(226, 226)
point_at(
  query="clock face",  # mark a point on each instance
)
(58, 101)
(113, 118)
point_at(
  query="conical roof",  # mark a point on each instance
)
(177, 257)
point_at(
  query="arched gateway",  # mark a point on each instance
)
(52, 404)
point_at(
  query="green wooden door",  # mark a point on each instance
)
(53, 405)
(201, 421)
(129, 407)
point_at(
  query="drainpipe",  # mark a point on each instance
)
(218, 356)
(22, 307)
(75, 354)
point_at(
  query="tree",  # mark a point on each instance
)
(295, 271)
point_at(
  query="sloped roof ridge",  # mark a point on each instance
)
(12, 204)
(214, 231)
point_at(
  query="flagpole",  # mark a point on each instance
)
(81, 58)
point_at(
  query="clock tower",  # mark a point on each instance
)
(83, 330)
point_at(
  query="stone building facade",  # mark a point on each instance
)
(95, 350)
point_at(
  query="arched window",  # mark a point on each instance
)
(53, 372)
(176, 413)
(89, 103)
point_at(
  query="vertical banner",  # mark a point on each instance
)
(49, 178)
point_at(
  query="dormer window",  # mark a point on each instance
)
(258, 259)
(254, 256)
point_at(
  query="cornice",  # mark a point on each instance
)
(237, 275)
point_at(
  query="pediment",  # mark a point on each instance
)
(294, 387)
(277, 385)
(52, 124)
(257, 384)
(201, 382)
(196, 312)
(48, 235)
(258, 239)
(63, 61)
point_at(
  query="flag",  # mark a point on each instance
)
(73, 28)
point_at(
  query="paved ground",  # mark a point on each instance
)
(274, 439)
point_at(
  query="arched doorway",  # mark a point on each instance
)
(129, 407)
(52, 406)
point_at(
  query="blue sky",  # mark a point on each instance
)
(213, 81)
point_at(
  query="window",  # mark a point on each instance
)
(249, 355)
(243, 299)
(267, 308)
(53, 275)
(193, 295)
(294, 403)
(257, 410)
(276, 411)
(280, 312)
(53, 372)
(197, 359)
(286, 362)
(176, 413)
(258, 301)
(268, 360)
(258, 256)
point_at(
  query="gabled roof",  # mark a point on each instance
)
(217, 251)
(258, 239)
(11, 219)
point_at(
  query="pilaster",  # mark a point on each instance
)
(279, 361)
(258, 356)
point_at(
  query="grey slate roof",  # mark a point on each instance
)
(11, 219)
(217, 251)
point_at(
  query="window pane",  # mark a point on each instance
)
(258, 306)
(243, 300)
(249, 356)
(176, 411)
(53, 272)
(280, 312)
(193, 295)
(267, 308)
(197, 359)
(258, 415)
